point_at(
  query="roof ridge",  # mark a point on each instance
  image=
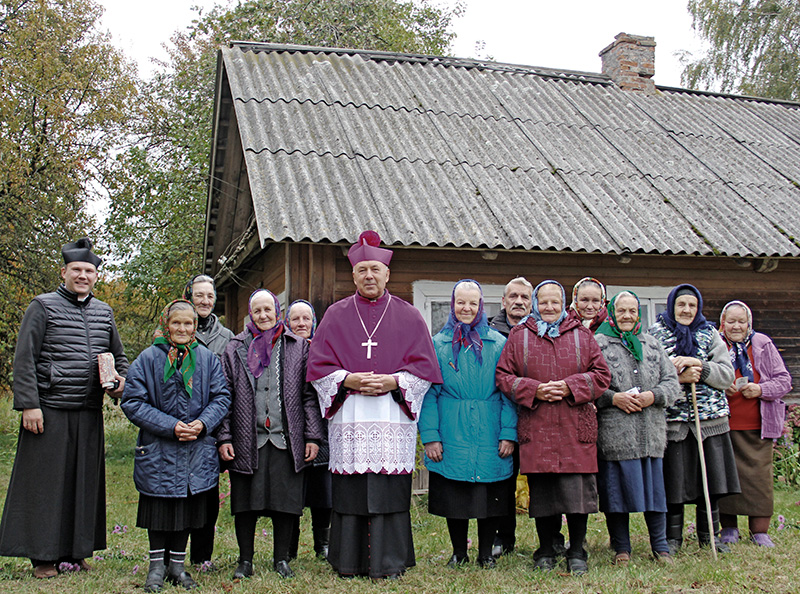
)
(384, 56)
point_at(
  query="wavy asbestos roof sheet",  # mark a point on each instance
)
(447, 152)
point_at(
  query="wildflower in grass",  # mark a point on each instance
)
(66, 566)
(691, 528)
(135, 569)
(264, 532)
(98, 558)
(206, 566)
(781, 522)
(469, 543)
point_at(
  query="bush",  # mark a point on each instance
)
(786, 453)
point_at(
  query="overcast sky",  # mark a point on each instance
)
(548, 33)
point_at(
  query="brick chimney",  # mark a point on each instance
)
(630, 62)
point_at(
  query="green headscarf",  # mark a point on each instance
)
(188, 361)
(610, 327)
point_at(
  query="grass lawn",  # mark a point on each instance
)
(122, 567)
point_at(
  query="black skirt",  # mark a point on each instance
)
(371, 525)
(274, 487)
(56, 502)
(554, 494)
(682, 478)
(173, 514)
(463, 500)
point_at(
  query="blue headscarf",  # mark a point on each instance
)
(313, 315)
(547, 328)
(466, 335)
(686, 341)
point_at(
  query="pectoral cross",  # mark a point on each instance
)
(369, 344)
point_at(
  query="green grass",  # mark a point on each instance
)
(747, 569)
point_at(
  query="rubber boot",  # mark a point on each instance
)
(155, 576)
(703, 534)
(674, 529)
(178, 576)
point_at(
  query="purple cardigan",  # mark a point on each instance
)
(301, 415)
(775, 383)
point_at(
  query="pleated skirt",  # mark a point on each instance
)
(173, 514)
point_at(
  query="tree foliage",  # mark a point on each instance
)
(157, 217)
(754, 47)
(64, 95)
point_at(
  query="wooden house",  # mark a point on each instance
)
(473, 169)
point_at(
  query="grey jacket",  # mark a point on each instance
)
(623, 436)
(214, 336)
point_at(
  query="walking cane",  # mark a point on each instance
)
(703, 471)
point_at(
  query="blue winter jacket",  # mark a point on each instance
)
(164, 466)
(468, 413)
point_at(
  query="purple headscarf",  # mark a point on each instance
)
(686, 341)
(466, 335)
(260, 351)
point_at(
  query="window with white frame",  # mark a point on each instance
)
(432, 299)
(653, 300)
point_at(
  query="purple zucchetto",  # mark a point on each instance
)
(367, 248)
(80, 251)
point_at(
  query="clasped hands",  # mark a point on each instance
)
(188, 431)
(552, 391)
(370, 383)
(630, 402)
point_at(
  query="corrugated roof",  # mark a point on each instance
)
(446, 152)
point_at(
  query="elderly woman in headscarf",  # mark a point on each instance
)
(757, 415)
(177, 395)
(202, 292)
(553, 369)
(468, 428)
(700, 359)
(302, 320)
(589, 302)
(272, 432)
(632, 434)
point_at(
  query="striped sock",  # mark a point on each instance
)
(177, 558)
(157, 555)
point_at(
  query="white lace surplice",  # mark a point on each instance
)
(372, 433)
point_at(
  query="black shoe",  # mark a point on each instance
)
(545, 563)
(577, 566)
(155, 576)
(177, 576)
(321, 537)
(283, 569)
(243, 570)
(456, 561)
(487, 562)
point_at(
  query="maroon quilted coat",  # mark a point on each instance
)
(301, 416)
(554, 437)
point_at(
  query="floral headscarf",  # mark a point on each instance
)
(180, 357)
(738, 350)
(686, 341)
(630, 339)
(466, 335)
(548, 328)
(595, 322)
(313, 315)
(260, 351)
